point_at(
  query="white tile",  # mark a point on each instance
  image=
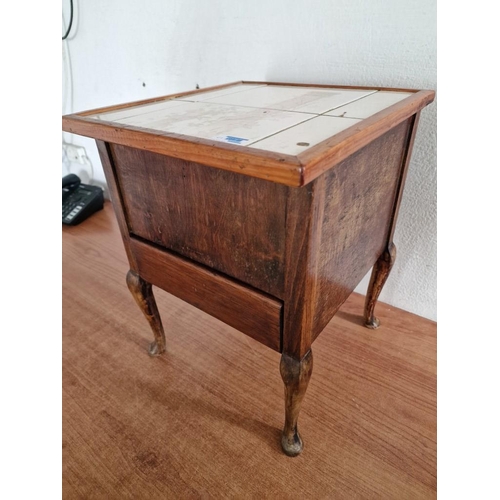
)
(367, 106)
(142, 109)
(217, 122)
(211, 94)
(274, 118)
(302, 99)
(299, 138)
(170, 102)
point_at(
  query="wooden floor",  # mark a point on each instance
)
(204, 420)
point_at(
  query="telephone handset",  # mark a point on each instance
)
(79, 201)
(69, 184)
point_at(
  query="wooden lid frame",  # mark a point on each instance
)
(285, 169)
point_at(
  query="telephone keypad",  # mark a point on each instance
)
(82, 202)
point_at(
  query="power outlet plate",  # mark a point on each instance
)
(76, 154)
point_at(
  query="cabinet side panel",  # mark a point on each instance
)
(232, 223)
(360, 196)
(115, 194)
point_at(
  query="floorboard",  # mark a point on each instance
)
(204, 420)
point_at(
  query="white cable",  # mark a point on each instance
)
(68, 96)
(68, 81)
(91, 167)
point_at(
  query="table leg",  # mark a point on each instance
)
(142, 291)
(295, 375)
(380, 273)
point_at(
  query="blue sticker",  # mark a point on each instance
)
(231, 139)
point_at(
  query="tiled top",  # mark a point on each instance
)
(278, 118)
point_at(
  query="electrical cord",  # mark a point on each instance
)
(67, 94)
(68, 75)
(70, 20)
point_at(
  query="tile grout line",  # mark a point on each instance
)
(171, 99)
(350, 102)
(316, 116)
(312, 115)
(223, 95)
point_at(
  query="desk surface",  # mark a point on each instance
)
(282, 132)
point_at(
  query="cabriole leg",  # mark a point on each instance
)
(295, 375)
(142, 292)
(380, 273)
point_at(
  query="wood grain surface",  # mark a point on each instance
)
(296, 375)
(248, 310)
(359, 203)
(232, 223)
(204, 420)
(142, 291)
(380, 273)
(325, 86)
(303, 237)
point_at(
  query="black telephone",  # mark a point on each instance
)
(79, 201)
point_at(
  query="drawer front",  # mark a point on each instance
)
(253, 313)
(229, 222)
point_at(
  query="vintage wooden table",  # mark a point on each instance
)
(263, 204)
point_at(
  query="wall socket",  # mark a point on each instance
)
(75, 154)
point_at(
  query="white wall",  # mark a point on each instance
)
(124, 50)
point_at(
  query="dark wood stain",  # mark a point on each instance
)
(142, 291)
(252, 312)
(296, 375)
(308, 246)
(380, 273)
(270, 244)
(115, 195)
(359, 201)
(304, 216)
(383, 266)
(229, 222)
(337, 227)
